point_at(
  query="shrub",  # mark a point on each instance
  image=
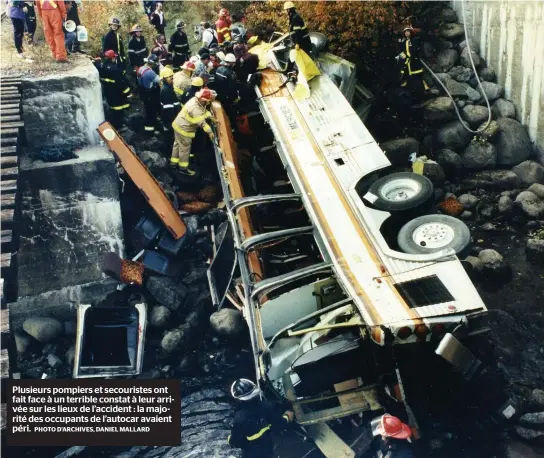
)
(96, 15)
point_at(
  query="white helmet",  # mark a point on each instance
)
(230, 58)
(244, 390)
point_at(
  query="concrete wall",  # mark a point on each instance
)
(63, 109)
(510, 35)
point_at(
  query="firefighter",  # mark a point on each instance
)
(297, 28)
(222, 26)
(191, 117)
(137, 48)
(179, 45)
(225, 82)
(112, 40)
(115, 87)
(254, 421)
(190, 91)
(182, 79)
(393, 438)
(411, 70)
(149, 84)
(170, 105)
(53, 13)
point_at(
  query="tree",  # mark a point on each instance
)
(96, 15)
(349, 26)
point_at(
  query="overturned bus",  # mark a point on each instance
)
(337, 260)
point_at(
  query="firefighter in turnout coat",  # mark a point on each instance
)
(137, 48)
(112, 40)
(115, 87)
(179, 46)
(182, 79)
(222, 26)
(192, 117)
(254, 421)
(297, 28)
(412, 69)
(170, 105)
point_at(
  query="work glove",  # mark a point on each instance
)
(290, 415)
(212, 136)
(402, 55)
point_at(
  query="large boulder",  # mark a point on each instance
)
(167, 292)
(452, 136)
(434, 172)
(513, 143)
(439, 14)
(22, 342)
(465, 58)
(461, 74)
(450, 161)
(427, 50)
(529, 172)
(469, 201)
(172, 340)
(489, 131)
(43, 329)
(475, 114)
(493, 264)
(450, 31)
(492, 179)
(463, 44)
(455, 88)
(505, 205)
(530, 205)
(439, 109)
(503, 109)
(479, 156)
(488, 74)
(154, 161)
(398, 151)
(228, 322)
(538, 190)
(517, 449)
(160, 317)
(492, 90)
(535, 251)
(445, 60)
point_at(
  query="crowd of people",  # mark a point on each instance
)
(175, 85)
(59, 19)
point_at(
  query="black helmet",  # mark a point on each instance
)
(114, 21)
(244, 390)
(180, 24)
(226, 44)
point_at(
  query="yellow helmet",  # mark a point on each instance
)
(288, 5)
(197, 82)
(166, 73)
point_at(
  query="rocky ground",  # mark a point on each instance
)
(493, 181)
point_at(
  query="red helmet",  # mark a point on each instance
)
(223, 12)
(110, 54)
(390, 426)
(205, 94)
